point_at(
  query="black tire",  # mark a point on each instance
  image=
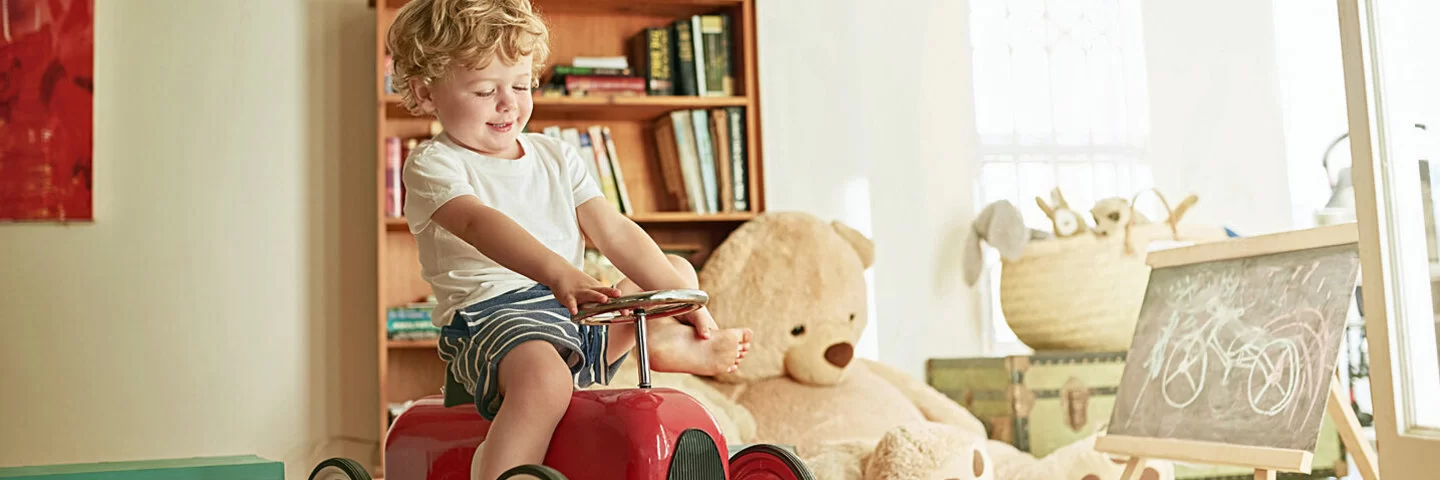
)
(328, 469)
(772, 460)
(538, 471)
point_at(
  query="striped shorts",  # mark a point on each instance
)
(480, 335)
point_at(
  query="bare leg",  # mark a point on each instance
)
(674, 347)
(536, 385)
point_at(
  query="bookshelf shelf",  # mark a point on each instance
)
(687, 217)
(665, 8)
(601, 108)
(410, 344)
(645, 127)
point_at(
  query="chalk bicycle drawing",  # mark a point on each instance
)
(1269, 357)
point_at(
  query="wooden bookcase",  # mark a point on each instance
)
(410, 369)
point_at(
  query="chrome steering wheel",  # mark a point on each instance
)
(649, 305)
(638, 308)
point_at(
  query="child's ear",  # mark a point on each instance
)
(421, 91)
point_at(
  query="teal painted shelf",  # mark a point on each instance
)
(248, 467)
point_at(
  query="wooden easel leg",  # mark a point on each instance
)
(1133, 469)
(1264, 474)
(1350, 432)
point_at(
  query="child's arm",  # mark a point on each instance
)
(498, 237)
(632, 250)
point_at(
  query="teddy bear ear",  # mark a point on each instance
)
(862, 245)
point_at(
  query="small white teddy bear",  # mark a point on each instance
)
(1112, 213)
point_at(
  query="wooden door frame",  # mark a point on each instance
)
(1405, 452)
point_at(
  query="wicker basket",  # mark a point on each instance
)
(1083, 293)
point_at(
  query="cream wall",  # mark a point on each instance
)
(203, 312)
(863, 122)
(875, 129)
(222, 260)
(1215, 111)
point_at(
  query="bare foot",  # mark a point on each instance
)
(675, 347)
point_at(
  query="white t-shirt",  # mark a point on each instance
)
(540, 191)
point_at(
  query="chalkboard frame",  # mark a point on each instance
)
(1260, 458)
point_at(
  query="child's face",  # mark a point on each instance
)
(483, 109)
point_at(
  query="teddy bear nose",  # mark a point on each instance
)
(839, 354)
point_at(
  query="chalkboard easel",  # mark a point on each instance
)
(1233, 356)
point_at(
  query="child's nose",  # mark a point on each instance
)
(506, 101)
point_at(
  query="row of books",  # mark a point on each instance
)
(396, 150)
(702, 155)
(691, 56)
(703, 159)
(597, 147)
(411, 321)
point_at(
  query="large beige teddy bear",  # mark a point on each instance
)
(798, 282)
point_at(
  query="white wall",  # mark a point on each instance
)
(899, 120)
(812, 137)
(200, 314)
(1216, 111)
(886, 145)
(1307, 45)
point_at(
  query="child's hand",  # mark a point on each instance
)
(702, 321)
(577, 288)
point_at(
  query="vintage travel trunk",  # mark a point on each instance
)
(1047, 400)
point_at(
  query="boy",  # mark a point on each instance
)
(500, 220)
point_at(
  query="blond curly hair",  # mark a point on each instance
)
(431, 36)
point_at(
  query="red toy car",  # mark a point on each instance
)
(641, 433)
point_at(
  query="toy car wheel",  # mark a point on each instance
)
(533, 471)
(767, 462)
(339, 469)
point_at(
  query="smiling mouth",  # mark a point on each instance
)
(502, 126)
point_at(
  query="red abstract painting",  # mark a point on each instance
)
(47, 57)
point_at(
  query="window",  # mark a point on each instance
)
(1060, 101)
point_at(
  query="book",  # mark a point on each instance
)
(393, 160)
(651, 50)
(720, 133)
(604, 84)
(668, 150)
(705, 150)
(617, 176)
(602, 163)
(739, 161)
(683, 65)
(613, 61)
(714, 35)
(697, 45)
(689, 160)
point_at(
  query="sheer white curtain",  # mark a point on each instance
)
(1060, 101)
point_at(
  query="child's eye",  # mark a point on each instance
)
(522, 88)
(485, 94)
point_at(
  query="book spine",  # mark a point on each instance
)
(705, 147)
(717, 63)
(697, 42)
(389, 74)
(739, 167)
(602, 162)
(684, 62)
(653, 54)
(720, 135)
(567, 70)
(392, 176)
(669, 151)
(599, 83)
(689, 160)
(615, 171)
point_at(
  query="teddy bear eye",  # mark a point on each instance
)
(1114, 216)
(852, 317)
(798, 330)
